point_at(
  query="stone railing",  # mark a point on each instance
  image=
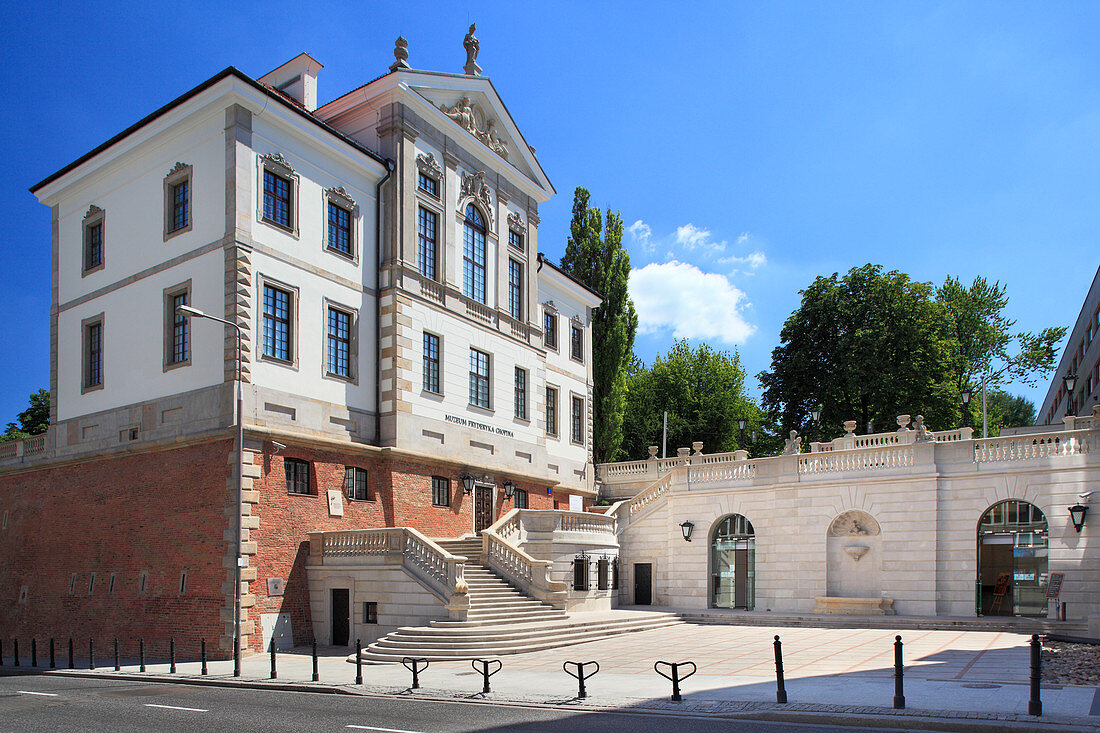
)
(651, 494)
(436, 568)
(566, 521)
(725, 471)
(894, 456)
(522, 525)
(22, 448)
(1026, 447)
(479, 311)
(432, 290)
(530, 576)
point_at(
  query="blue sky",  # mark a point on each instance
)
(749, 146)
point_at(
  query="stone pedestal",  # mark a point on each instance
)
(854, 606)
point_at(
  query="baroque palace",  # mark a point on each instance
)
(312, 379)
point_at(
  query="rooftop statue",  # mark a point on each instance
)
(924, 435)
(472, 46)
(793, 446)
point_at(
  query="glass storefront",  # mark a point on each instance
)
(733, 564)
(1012, 560)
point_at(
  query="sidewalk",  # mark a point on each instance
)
(955, 675)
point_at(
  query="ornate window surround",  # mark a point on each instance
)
(94, 215)
(280, 166)
(180, 172)
(339, 196)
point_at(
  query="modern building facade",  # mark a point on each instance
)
(1081, 362)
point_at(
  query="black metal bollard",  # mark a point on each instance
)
(202, 655)
(676, 678)
(141, 654)
(415, 668)
(236, 656)
(34, 652)
(1035, 705)
(274, 674)
(485, 673)
(316, 676)
(358, 662)
(118, 667)
(1, 652)
(71, 664)
(899, 673)
(91, 653)
(53, 659)
(780, 686)
(580, 676)
(15, 654)
(172, 655)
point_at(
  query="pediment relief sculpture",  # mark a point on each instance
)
(475, 187)
(854, 524)
(429, 165)
(93, 210)
(515, 221)
(471, 118)
(341, 193)
(177, 168)
(278, 159)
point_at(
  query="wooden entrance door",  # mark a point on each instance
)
(483, 508)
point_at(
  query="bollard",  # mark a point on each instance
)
(172, 655)
(141, 654)
(358, 662)
(1, 652)
(415, 669)
(15, 654)
(236, 656)
(202, 655)
(676, 678)
(34, 652)
(53, 660)
(580, 676)
(485, 673)
(1035, 705)
(780, 687)
(71, 665)
(118, 667)
(899, 672)
(274, 674)
(316, 677)
(91, 653)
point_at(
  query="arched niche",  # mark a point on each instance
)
(853, 549)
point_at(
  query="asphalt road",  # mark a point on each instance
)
(55, 703)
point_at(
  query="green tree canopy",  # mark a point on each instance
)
(595, 256)
(867, 346)
(703, 391)
(32, 421)
(1006, 411)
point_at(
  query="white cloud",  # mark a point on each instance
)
(640, 232)
(690, 236)
(752, 260)
(692, 303)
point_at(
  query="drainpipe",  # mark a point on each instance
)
(391, 166)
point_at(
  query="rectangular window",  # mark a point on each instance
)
(473, 261)
(339, 343)
(576, 420)
(602, 573)
(355, 483)
(179, 343)
(580, 573)
(576, 342)
(515, 239)
(431, 363)
(479, 379)
(93, 355)
(370, 612)
(441, 491)
(93, 245)
(520, 498)
(180, 205)
(277, 332)
(297, 476)
(551, 411)
(550, 330)
(521, 393)
(339, 229)
(427, 226)
(515, 289)
(277, 201)
(428, 185)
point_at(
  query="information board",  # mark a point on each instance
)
(1054, 585)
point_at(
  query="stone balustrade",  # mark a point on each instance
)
(17, 450)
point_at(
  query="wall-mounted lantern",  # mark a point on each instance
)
(1077, 514)
(509, 489)
(468, 483)
(686, 528)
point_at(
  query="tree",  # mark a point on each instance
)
(1006, 411)
(32, 421)
(868, 346)
(703, 391)
(595, 256)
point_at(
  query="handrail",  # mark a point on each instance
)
(890, 456)
(29, 446)
(1025, 447)
(650, 494)
(529, 575)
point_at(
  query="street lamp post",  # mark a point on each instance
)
(816, 415)
(1070, 380)
(965, 394)
(189, 312)
(741, 422)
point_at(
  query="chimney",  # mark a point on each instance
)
(297, 79)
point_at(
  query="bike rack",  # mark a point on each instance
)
(676, 678)
(580, 676)
(415, 668)
(485, 673)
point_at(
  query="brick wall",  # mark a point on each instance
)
(159, 513)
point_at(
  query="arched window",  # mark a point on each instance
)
(733, 563)
(473, 255)
(1012, 560)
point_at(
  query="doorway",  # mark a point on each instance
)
(341, 616)
(483, 508)
(643, 584)
(1012, 560)
(733, 563)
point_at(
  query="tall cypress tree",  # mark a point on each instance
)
(595, 256)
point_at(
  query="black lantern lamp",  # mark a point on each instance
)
(965, 395)
(686, 528)
(741, 423)
(1070, 381)
(816, 415)
(509, 489)
(1077, 514)
(467, 483)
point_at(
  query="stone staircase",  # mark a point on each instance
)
(502, 620)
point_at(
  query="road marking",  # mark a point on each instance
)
(43, 694)
(176, 707)
(381, 730)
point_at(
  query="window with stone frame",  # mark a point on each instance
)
(473, 255)
(576, 342)
(339, 229)
(177, 201)
(515, 289)
(427, 225)
(177, 331)
(93, 228)
(278, 323)
(551, 411)
(355, 483)
(550, 330)
(297, 476)
(339, 343)
(431, 363)
(92, 353)
(441, 491)
(480, 394)
(576, 420)
(515, 239)
(520, 498)
(521, 394)
(278, 192)
(427, 184)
